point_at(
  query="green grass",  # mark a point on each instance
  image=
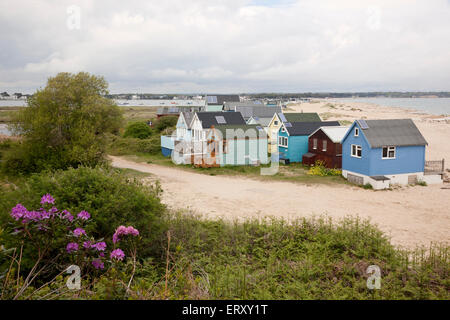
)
(6, 113)
(306, 259)
(137, 113)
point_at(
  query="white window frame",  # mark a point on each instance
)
(356, 132)
(275, 122)
(281, 140)
(324, 145)
(315, 144)
(283, 129)
(356, 149)
(389, 148)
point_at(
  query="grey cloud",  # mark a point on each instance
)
(225, 46)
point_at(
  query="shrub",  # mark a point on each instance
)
(367, 186)
(139, 130)
(54, 239)
(166, 122)
(319, 169)
(110, 197)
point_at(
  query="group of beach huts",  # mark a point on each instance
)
(230, 132)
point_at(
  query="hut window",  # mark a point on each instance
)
(275, 122)
(356, 151)
(388, 153)
(283, 142)
(324, 145)
(314, 144)
(356, 132)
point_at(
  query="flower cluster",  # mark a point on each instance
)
(123, 231)
(46, 198)
(117, 254)
(42, 220)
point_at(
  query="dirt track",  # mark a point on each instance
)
(411, 215)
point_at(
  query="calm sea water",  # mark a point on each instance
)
(4, 129)
(438, 106)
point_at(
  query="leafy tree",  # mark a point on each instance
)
(139, 130)
(64, 125)
(166, 122)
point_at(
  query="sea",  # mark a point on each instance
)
(4, 129)
(436, 106)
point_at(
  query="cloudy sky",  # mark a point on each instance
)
(184, 46)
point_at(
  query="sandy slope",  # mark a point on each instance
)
(411, 215)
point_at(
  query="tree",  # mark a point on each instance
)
(65, 124)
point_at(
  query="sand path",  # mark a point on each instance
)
(410, 216)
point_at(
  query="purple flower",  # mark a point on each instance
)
(72, 246)
(87, 244)
(47, 198)
(67, 215)
(78, 232)
(98, 264)
(122, 230)
(19, 211)
(84, 215)
(117, 254)
(100, 246)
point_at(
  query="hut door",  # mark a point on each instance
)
(247, 150)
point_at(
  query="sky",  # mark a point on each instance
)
(228, 46)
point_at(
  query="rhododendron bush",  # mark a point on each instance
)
(58, 239)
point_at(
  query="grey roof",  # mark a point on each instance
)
(306, 128)
(229, 106)
(302, 117)
(259, 111)
(188, 117)
(208, 119)
(220, 99)
(396, 132)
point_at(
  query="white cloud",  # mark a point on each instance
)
(225, 46)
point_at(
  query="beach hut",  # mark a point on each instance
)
(384, 152)
(279, 118)
(325, 145)
(293, 139)
(236, 145)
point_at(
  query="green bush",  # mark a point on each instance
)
(166, 122)
(110, 197)
(139, 130)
